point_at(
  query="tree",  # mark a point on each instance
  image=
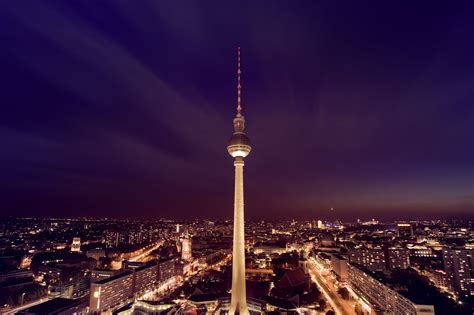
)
(358, 309)
(322, 305)
(344, 293)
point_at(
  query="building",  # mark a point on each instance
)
(421, 251)
(384, 299)
(99, 274)
(186, 250)
(112, 292)
(327, 240)
(405, 230)
(145, 277)
(148, 307)
(239, 147)
(437, 277)
(58, 306)
(15, 274)
(320, 224)
(71, 290)
(370, 258)
(339, 267)
(76, 244)
(459, 268)
(96, 253)
(115, 238)
(166, 270)
(397, 258)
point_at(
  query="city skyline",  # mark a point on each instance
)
(106, 114)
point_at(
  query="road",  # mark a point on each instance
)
(147, 252)
(324, 283)
(25, 306)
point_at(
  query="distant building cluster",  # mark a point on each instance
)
(77, 265)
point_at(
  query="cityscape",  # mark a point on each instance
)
(153, 164)
(91, 266)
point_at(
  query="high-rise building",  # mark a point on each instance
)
(405, 230)
(145, 277)
(108, 293)
(397, 258)
(370, 258)
(238, 147)
(384, 299)
(459, 267)
(115, 238)
(76, 244)
(379, 259)
(186, 251)
(166, 270)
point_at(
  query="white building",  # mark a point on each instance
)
(76, 244)
(382, 297)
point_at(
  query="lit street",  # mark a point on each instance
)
(147, 252)
(329, 291)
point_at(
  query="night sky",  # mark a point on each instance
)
(124, 108)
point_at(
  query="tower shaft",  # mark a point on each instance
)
(238, 302)
(239, 147)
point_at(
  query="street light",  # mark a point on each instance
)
(22, 298)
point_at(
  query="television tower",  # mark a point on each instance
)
(238, 147)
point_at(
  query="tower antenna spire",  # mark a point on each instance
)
(239, 86)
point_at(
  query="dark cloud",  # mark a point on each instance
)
(123, 108)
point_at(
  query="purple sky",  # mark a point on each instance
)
(124, 108)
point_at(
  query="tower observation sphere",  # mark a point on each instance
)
(239, 143)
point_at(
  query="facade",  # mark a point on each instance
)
(71, 290)
(99, 274)
(186, 249)
(382, 297)
(238, 147)
(438, 278)
(370, 258)
(115, 238)
(167, 270)
(459, 267)
(339, 267)
(397, 258)
(145, 277)
(110, 293)
(421, 251)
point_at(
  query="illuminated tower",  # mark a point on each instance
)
(239, 147)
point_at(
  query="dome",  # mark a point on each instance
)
(239, 145)
(239, 139)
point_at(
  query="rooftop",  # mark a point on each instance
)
(114, 277)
